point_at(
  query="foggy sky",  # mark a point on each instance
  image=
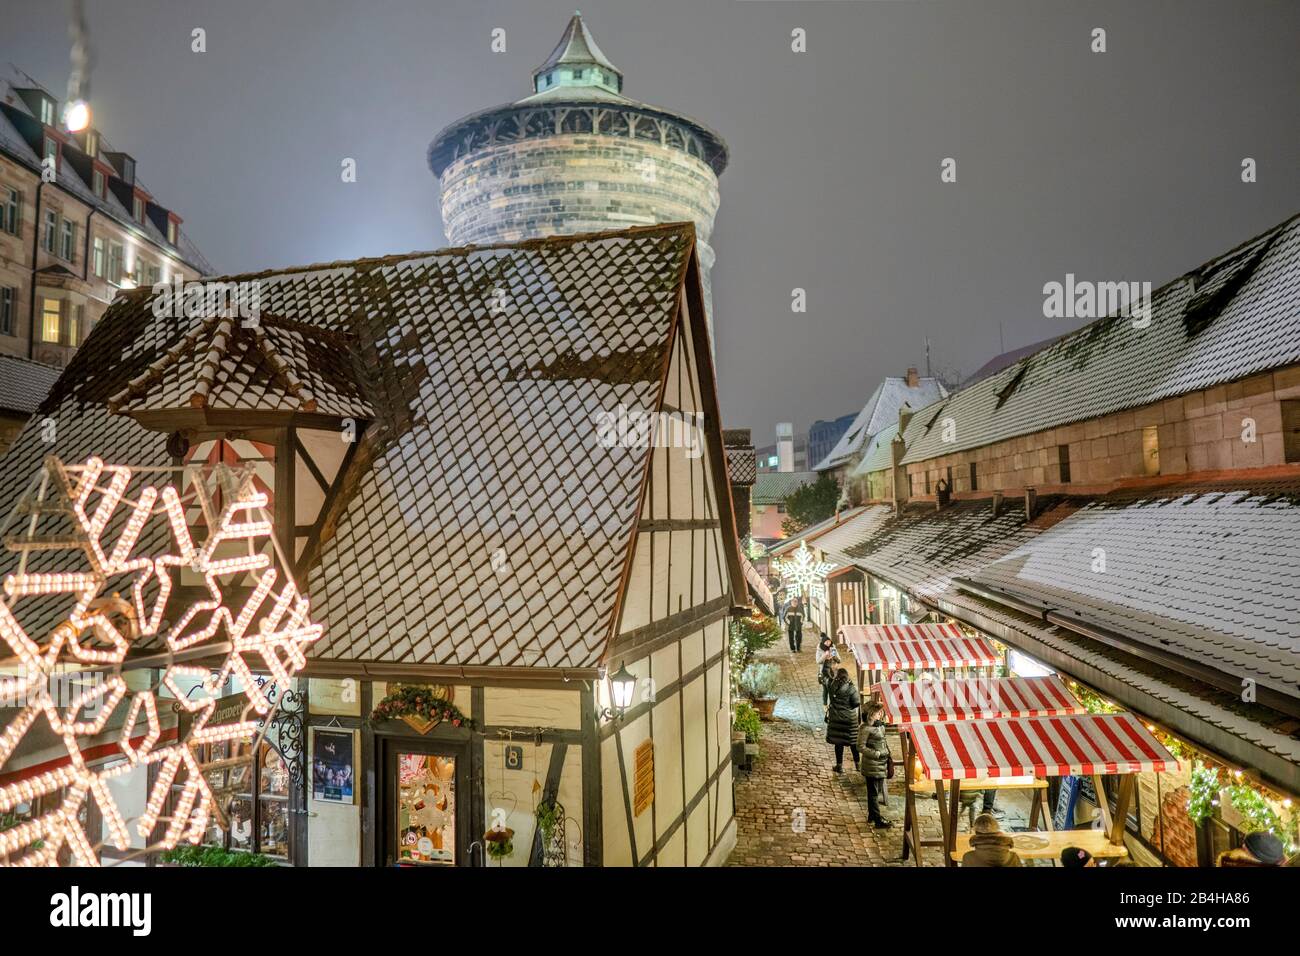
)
(1116, 166)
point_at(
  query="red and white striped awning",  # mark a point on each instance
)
(869, 633)
(1082, 744)
(976, 698)
(925, 654)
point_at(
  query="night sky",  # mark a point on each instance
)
(1116, 166)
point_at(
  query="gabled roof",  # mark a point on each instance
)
(24, 383)
(879, 454)
(482, 520)
(1235, 316)
(772, 486)
(881, 410)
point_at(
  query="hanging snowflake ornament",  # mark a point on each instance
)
(804, 571)
(111, 579)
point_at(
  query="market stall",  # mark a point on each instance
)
(909, 703)
(975, 752)
(881, 649)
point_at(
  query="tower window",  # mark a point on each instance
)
(579, 74)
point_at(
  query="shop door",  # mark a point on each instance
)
(424, 798)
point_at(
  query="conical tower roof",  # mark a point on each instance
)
(577, 46)
(577, 61)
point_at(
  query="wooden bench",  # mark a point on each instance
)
(1047, 845)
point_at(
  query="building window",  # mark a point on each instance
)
(68, 240)
(1063, 459)
(50, 237)
(1291, 429)
(52, 151)
(99, 256)
(115, 263)
(97, 179)
(974, 477)
(259, 809)
(138, 209)
(8, 305)
(1151, 450)
(911, 489)
(927, 481)
(51, 320)
(92, 144)
(579, 74)
(153, 273)
(171, 231)
(47, 111)
(12, 211)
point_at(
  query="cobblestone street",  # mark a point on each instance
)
(793, 775)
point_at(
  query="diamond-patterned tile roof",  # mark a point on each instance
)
(482, 521)
(1249, 299)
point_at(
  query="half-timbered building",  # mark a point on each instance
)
(502, 477)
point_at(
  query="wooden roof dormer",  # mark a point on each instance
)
(226, 373)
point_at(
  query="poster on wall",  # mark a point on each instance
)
(333, 773)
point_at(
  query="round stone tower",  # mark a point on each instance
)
(577, 156)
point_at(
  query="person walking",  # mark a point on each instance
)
(794, 625)
(827, 657)
(875, 761)
(842, 718)
(989, 846)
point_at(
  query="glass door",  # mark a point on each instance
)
(424, 816)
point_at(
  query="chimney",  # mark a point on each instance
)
(997, 503)
(913, 379)
(897, 449)
(1031, 504)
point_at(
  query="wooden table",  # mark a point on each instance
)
(912, 842)
(1047, 844)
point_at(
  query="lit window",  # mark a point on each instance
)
(115, 263)
(171, 231)
(51, 319)
(99, 256)
(52, 151)
(98, 179)
(138, 209)
(11, 212)
(47, 111)
(92, 143)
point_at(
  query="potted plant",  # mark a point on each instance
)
(500, 842)
(758, 682)
(745, 728)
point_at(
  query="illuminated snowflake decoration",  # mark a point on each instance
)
(200, 549)
(805, 572)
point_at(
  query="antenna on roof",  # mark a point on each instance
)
(927, 357)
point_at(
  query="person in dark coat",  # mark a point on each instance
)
(875, 761)
(827, 657)
(794, 625)
(842, 718)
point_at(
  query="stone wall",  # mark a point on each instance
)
(1200, 431)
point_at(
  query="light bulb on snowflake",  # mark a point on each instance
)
(77, 624)
(804, 571)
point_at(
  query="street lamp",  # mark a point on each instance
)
(621, 686)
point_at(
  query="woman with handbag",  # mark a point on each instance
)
(876, 761)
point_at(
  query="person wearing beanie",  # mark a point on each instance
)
(989, 846)
(1258, 849)
(1073, 857)
(875, 760)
